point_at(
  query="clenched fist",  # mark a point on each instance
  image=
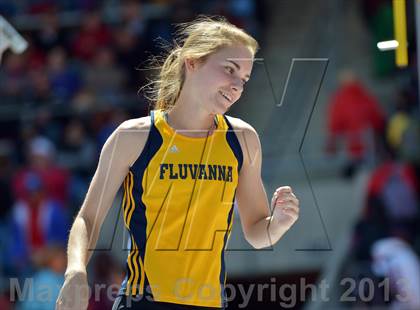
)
(285, 207)
(75, 292)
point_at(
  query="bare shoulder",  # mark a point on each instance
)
(247, 136)
(135, 129)
(239, 124)
(136, 124)
(242, 129)
(130, 137)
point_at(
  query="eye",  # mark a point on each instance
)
(229, 69)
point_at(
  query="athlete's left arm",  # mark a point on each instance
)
(261, 226)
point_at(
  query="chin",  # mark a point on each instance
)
(226, 109)
(220, 108)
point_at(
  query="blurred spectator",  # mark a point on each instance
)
(386, 235)
(45, 124)
(40, 6)
(64, 80)
(77, 149)
(132, 17)
(51, 263)
(104, 77)
(129, 53)
(107, 274)
(13, 79)
(78, 154)
(92, 36)
(395, 260)
(396, 127)
(84, 100)
(35, 57)
(39, 88)
(42, 163)
(353, 113)
(403, 129)
(50, 35)
(409, 148)
(5, 303)
(392, 207)
(36, 221)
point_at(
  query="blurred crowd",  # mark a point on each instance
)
(386, 238)
(60, 100)
(386, 144)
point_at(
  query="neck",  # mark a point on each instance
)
(188, 115)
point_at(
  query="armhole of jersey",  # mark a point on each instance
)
(147, 142)
(234, 144)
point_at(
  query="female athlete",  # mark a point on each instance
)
(182, 167)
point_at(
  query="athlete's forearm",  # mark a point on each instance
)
(265, 233)
(78, 249)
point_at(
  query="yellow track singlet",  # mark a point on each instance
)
(178, 209)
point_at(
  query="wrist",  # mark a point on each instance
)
(75, 270)
(276, 225)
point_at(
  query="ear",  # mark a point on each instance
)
(190, 64)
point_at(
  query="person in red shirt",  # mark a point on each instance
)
(41, 163)
(92, 36)
(35, 222)
(352, 113)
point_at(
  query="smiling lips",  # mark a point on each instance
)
(226, 96)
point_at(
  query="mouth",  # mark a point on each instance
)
(227, 96)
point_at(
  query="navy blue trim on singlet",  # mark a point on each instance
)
(235, 146)
(233, 142)
(223, 267)
(138, 223)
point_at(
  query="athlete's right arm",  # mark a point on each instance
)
(118, 153)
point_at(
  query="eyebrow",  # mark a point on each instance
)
(237, 66)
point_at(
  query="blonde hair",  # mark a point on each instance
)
(197, 40)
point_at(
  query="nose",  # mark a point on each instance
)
(237, 86)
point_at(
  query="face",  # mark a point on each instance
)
(219, 81)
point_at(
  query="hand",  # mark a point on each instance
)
(75, 292)
(285, 207)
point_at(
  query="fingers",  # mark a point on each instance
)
(286, 200)
(291, 212)
(285, 194)
(74, 294)
(288, 205)
(284, 190)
